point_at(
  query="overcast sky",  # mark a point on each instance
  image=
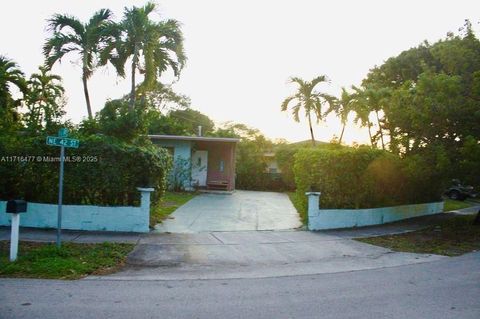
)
(241, 53)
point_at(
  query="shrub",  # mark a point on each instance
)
(102, 171)
(365, 178)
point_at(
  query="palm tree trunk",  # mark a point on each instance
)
(370, 132)
(380, 130)
(87, 96)
(341, 134)
(311, 129)
(132, 92)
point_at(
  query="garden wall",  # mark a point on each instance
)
(319, 219)
(85, 217)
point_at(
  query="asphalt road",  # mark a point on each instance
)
(447, 288)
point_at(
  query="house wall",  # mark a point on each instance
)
(272, 164)
(218, 152)
(182, 149)
(182, 157)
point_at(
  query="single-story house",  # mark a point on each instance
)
(272, 165)
(200, 162)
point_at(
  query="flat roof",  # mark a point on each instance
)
(194, 138)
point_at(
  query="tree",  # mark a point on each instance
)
(342, 109)
(44, 100)
(192, 119)
(86, 39)
(10, 75)
(309, 100)
(152, 46)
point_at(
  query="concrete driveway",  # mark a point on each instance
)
(241, 211)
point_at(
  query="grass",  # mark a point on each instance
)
(167, 205)
(299, 206)
(451, 204)
(452, 237)
(71, 261)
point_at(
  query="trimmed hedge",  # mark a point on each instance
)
(365, 178)
(102, 171)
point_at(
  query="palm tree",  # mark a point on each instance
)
(10, 75)
(309, 100)
(152, 46)
(359, 104)
(376, 98)
(71, 35)
(342, 109)
(43, 103)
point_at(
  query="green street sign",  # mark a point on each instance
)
(62, 141)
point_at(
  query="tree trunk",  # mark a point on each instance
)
(380, 130)
(132, 92)
(370, 132)
(311, 129)
(341, 134)
(87, 96)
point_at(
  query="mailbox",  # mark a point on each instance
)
(16, 206)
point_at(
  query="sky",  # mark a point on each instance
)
(242, 53)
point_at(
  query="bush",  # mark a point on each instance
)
(365, 178)
(285, 157)
(102, 171)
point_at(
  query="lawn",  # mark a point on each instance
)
(299, 206)
(169, 202)
(452, 237)
(451, 204)
(71, 261)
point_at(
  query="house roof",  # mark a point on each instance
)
(194, 138)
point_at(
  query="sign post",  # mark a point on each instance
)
(62, 141)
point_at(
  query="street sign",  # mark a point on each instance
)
(62, 141)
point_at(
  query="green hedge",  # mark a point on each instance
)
(102, 171)
(365, 178)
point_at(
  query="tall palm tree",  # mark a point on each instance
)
(362, 110)
(43, 103)
(10, 75)
(309, 100)
(376, 99)
(152, 46)
(86, 39)
(342, 109)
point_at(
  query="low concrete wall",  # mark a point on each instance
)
(319, 219)
(83, 217)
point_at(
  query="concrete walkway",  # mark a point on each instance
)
(241, 211)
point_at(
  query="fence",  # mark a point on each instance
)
(86, 217)
(319, 219)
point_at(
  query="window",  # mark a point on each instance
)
(222, 166)
(272, 170)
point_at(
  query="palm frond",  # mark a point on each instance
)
(60, 21)
(285, 103)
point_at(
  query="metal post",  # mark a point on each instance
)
(14, 237)
(60, 197)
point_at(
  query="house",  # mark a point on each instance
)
(271, 161)
(200, 162)
(270, 156)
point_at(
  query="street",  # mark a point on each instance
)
(445, 288)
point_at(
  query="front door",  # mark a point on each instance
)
(199, 168)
